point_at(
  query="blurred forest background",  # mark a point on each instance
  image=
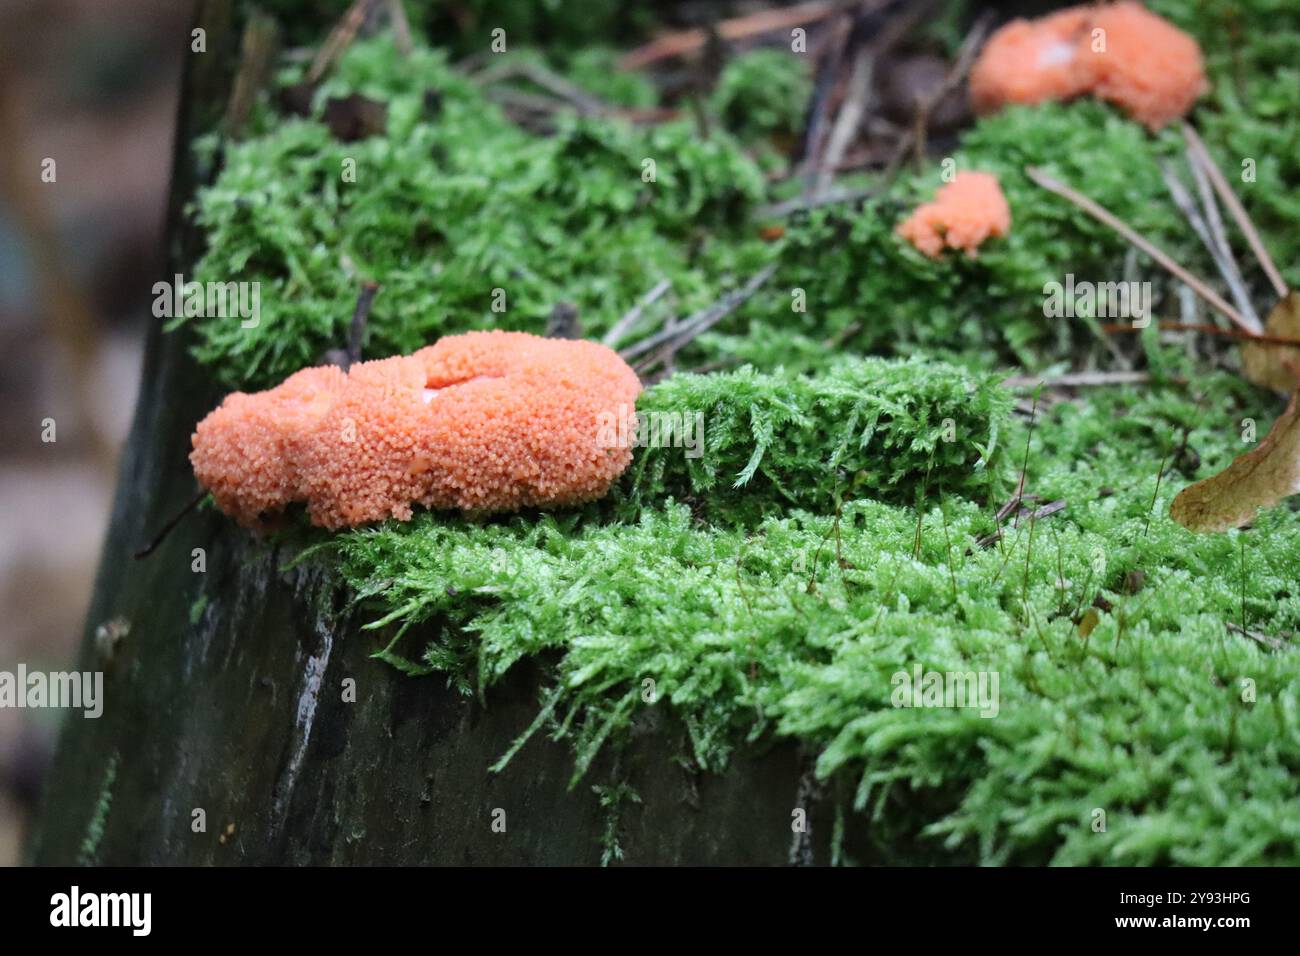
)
(93, 85)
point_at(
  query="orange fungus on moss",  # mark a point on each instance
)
(964, 213)
(1121, 53)
(486, 421)
(1029, 61)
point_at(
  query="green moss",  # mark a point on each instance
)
(763, 93)
(829, 537)
(89, 850)
(795, 628)
(451, 204)
(894, 430)
(612, 800)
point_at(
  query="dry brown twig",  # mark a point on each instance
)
(884, 29)
(670, 340)
(738, 28)
(848, 119)
(257, 57)
(339, 39)
(347, 29)
(1077, 380)
(804, 203)
(829, 65)
(1105, 216)
(401, 27)
(1272, 643)
(1170, 326)
(633, 315)
(584, 102)
(1196, 146)
(914, 138)
(1046, 511)
(1209, 227)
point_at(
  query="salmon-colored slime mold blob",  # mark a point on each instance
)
(482, 422)
(964, 213)
(1121, 53)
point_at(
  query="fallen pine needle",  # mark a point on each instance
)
(1197, 148)
(1103, 215)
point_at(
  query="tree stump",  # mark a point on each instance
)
(226, 736)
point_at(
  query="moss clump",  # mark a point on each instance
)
(795, 628)
(868, 288)
(450, 204)
(763, 93)
(891, 430)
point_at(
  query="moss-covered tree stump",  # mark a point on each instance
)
(712, 664)
(246, 723)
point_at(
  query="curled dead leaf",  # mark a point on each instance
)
(1269, 364)
(1258, 479)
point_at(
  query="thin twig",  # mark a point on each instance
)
(877, 31)
(171, 524)
(1272, 643)
(703, 320)
(401, 27)
(739, 28)
(848, 119)
(552, 83)
(1046, 511)
(1197, 147)
(1210, 233)
(842, 336)
(1029, 437)
(360, 316)
(1219, 236)
(915, 137)
(1103, 215)
(804, 203)
(1171, 326)
(633, 315)
(257, 56)
(829, 67)
(339, 39)
(1077, 379)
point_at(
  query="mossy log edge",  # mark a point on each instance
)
(226, 694)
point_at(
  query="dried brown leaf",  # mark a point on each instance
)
(1258, 479)
(1087, 622)
(1271, 365)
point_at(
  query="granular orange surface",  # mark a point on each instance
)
(964, 213)
(486, 421)
(1121, 53)
(1029, 61)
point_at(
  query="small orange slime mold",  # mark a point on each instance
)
(964, 213)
